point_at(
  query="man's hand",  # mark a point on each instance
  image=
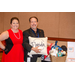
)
(36, 49)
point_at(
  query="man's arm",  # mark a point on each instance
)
(26, 42)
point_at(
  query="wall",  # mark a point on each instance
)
(67, 25)
(54, 24)
(1, 22)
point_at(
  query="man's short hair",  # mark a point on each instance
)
(33, 17)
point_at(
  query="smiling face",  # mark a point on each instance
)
(15, 24)
(33, 23)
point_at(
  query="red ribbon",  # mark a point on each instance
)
(48, 49)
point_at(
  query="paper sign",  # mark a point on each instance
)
(71, 51)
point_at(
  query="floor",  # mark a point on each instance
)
(1, 56)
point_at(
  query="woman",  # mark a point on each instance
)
(13, 51)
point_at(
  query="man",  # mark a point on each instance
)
(33, 31)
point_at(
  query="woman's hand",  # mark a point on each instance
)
(2, 46)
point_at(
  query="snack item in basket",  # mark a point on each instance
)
(57, 50)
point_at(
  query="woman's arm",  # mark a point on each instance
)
(3, 36)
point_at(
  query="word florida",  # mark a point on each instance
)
(34, 44)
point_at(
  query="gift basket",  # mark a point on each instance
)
(57, 53)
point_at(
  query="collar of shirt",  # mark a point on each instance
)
(37, 33)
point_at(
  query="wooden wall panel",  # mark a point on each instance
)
(1, 22)
(24, 19)
(7, 17)
(49, 22)
(67, 25)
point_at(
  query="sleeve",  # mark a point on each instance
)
(26, 42)
(43, 33)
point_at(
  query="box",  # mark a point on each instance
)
(57, 59)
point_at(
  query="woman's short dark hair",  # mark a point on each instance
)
(33, 17)
(13, 19)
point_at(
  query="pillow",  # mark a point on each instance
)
(41, 42)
